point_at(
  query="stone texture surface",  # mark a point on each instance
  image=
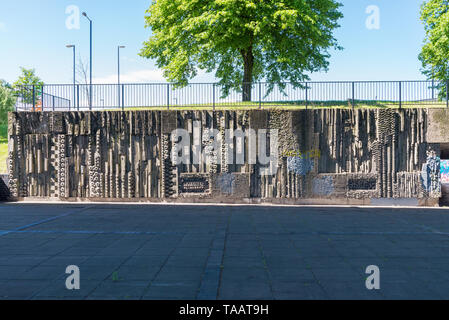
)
(363, 154)
(437, 124)
(4, 189)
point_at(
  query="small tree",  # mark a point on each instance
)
(82, 71)
(24, 85)
(435, 51)
(242, 40)
(7, 102)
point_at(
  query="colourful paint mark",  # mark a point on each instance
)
(444, 169)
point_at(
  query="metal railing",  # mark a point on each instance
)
(80, 97)
(34, 98)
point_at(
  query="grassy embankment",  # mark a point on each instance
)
(291, 106)
(3, 148)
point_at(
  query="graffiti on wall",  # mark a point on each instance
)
(431, 175)
(226, 183)
(323, 186)
(301, 166)
(301, 162)
(444, 169)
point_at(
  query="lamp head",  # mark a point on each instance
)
(85, 14)
(70, 46)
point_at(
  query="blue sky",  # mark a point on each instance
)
(33, 34)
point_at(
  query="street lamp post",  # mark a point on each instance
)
(90, 64)
(118, 74)
(74, 75)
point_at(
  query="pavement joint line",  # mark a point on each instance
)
(38, 292)
(186, 204)
(422, 226)
(117, 268)
(264, 258)
(38, 265)
(220, 277)
(147, 288)
(210, 282)
(233, 233)
(293, 243)
(22, 228)
(92, 232)
(183, 233)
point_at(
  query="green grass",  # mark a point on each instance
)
(3, 148)
(293, 105)
(3, 155)
(3, 131)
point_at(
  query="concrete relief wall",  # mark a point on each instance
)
(437, 122)
(4, 190)
(322, 154)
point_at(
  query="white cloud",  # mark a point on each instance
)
(2, 27)
(140, 76)
(131, 59)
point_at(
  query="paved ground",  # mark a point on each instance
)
(215, 252)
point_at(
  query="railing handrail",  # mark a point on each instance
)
(218, 84)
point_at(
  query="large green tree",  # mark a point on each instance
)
(7, 101)
(242, 40)
(435, 52)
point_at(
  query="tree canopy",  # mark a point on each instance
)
(7, 101)
(242, 40)
(435, 51)
(28, 77)
(23, 85)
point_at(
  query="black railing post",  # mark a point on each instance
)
(34, 97)
(447, 94)
(90, 96)
(433, 90)
(17, 97)
(168, 96)
(42, 98)
(353, 95)
(260, 95)
(78, 97)
(400, 95)
(213, 96)
(53, 103)
(74, 95)
(118, 95)
(307, 96)
(123, 97)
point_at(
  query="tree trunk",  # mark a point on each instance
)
(248, 63)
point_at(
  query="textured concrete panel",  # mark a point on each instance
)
(323, 154)
(438, 120)
(4, 187)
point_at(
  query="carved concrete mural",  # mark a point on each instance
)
(431, 176)
(322, 154)
(444, 169)
(323, 186)
(4, 191)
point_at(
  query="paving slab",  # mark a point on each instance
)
(128, 251)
